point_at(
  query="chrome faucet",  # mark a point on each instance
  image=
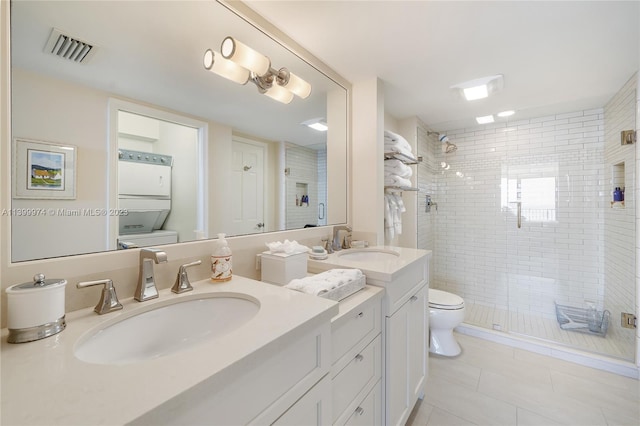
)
(337, 242)
(146, 282)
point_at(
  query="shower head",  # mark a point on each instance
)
(447, 147)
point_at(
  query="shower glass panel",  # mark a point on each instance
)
(564, 235)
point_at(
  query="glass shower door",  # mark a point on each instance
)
(570, 253)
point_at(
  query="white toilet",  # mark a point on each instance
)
(446, 311)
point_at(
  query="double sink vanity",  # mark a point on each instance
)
(240, 352)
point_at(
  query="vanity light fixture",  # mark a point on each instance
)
(215, 63)
(480, 87)
(250, 65)
(318, 124)
(485, 119)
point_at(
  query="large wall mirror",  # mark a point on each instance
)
(135, 143)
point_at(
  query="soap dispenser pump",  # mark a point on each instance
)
(221, 261)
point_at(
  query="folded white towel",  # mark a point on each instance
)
(325, 281)
(398, 168)
(393, 180)
(393, 136)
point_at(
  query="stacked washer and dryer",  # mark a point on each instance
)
(144, 191)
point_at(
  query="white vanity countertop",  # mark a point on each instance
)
(385, 270)
(44, 384)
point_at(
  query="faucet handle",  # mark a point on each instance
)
(108, 301)
(182, 280)
(328, 246)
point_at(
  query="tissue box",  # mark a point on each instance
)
(280, 268)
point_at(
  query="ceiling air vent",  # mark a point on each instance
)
(67, 47)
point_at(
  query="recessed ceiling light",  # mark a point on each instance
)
(506, 113)
(318, 124)
(480, 87)
(485, 120)
(476, 92)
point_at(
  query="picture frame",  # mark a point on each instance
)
(44, 170)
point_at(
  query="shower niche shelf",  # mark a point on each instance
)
(617, 182)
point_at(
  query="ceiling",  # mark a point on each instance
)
(555, 56)
(160, 61)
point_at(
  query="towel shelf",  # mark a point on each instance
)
(406, 159)
(400, 188)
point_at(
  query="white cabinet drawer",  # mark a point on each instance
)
(314, 408)
(369, 411)
(364, 321)
(364, 369)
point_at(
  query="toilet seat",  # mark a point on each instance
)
(439, 299)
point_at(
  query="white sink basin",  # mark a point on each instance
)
(165, 330)
(369, 255)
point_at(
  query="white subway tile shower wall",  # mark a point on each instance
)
(620, 226)
(303, 170)
(556, 255)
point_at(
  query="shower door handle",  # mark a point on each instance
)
(518, 212)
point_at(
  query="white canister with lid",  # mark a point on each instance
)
(35, 310)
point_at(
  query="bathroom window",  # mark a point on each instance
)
(537, 195)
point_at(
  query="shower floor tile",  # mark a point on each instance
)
(539, 327)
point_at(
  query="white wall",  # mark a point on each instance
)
(80, 119)
(367, 200)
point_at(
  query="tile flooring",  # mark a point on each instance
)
(618, 343)
(493, 384)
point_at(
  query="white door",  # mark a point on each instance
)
(248, 188)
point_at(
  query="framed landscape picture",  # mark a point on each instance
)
(44, 170)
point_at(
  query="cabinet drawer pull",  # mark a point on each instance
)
(359, 357)
(413, 298)
(359, 411)
(360, 315)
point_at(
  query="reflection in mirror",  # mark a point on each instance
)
(241, 162)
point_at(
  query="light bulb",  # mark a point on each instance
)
(215, 63)
(279, 93)
(294, 83)
(245, 56)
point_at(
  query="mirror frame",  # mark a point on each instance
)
(114, 262)
(339, 182)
